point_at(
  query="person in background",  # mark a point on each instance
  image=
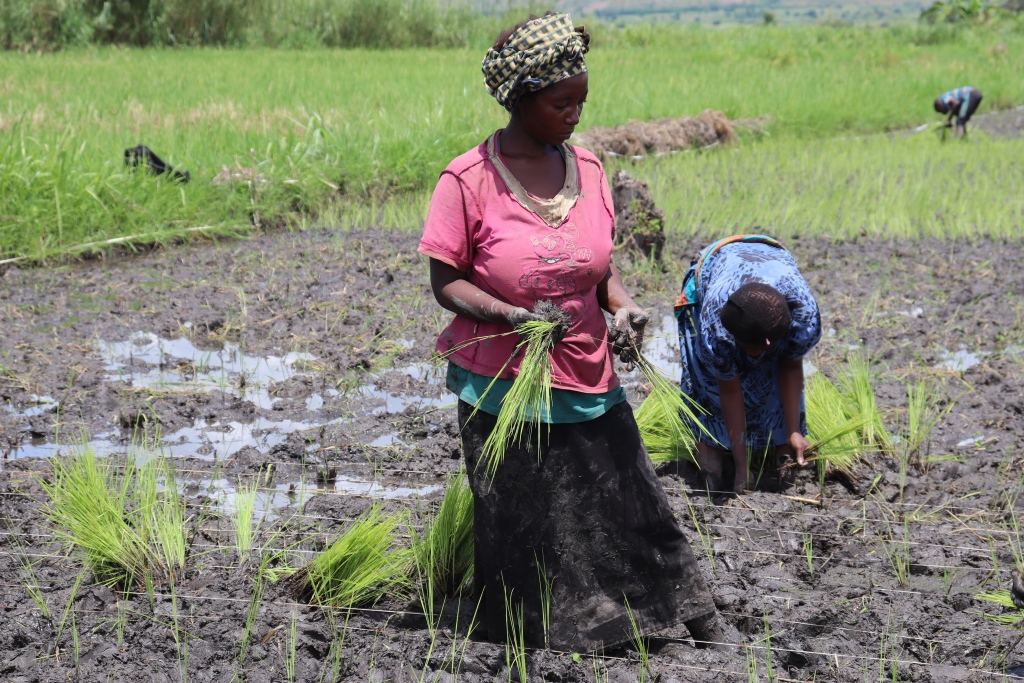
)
(746, 320)
(961, 103)
(576, 531)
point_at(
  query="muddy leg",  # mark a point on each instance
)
(709, 459)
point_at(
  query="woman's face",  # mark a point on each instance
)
(551, 114)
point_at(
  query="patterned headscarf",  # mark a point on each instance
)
(543, 51)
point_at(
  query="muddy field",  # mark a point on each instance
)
(303, 361)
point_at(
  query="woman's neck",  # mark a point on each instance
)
(517, 143)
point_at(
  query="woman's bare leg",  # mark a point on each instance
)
(709, 459)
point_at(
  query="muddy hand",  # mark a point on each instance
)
(628, 332)
(517, 316)
(799, 445)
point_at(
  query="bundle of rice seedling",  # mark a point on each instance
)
(528, 403)
(1003, 598)
(664, 416)
(834, 435)
(640, 138)
(858, 392)
(443, 552)
(129, 531)
(361, 567)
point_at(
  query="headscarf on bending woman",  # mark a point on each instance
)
(542, 51)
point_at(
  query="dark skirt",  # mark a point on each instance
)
(588, 525)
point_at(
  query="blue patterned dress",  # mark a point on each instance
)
(710, 353)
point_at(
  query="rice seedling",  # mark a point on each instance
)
(897, 551)
(289, 663)
(546, 595)
(515, 639)
(31, 582)
(128, 531)
(702, 532)
(361, 566)
(809, 553)
(443, 551)
(834, 435)
(664, 416)
(641, 643)
(1011, 615)
(857, 387)
(255, 602)
(245, 505)
(527, 404)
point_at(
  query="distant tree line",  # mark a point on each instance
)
(53, 24)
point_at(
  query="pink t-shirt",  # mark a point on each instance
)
(476, 225)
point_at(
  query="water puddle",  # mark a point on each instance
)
(219, 440)
(178, 365)
(961, 360)
(37, 405)
(270, 500)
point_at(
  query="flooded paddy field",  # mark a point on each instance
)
(295, 369)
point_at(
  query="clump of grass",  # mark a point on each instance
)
(664, 416)
(443, 552)
(361, 567)
(129, 531)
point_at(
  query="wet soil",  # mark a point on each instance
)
(303, 360)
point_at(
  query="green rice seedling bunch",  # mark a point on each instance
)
(116, 518)
(528, 402)
(857, 388)
(834, 435)
(443, 551)
(664, 415)
(1002, 598)
(362, 566)
(245, 507)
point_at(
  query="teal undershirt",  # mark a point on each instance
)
(566, 406)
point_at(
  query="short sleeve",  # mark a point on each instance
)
(452, 221)
(805, 325)
(716, 349)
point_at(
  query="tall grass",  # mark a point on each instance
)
(129, 530)
(54, 24)
(349, 132)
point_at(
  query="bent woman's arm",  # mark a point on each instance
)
(730, 396)
(457, 294)
(791, 386)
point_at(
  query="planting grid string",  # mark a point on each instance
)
(386, 627)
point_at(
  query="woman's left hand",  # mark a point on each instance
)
(799, 445)
(628, 331)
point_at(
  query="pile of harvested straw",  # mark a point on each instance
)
(639, 139)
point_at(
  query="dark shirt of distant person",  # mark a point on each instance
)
(961, 103)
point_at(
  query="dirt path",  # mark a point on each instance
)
(306, 356)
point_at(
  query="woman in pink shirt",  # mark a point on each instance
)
(582, 533)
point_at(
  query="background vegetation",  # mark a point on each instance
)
(360, 135)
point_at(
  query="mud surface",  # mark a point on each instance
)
(303, 360)
(1000, 124)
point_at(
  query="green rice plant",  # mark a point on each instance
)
(515, 639)
(1002, 597)
(640, 642)
(834, 435)
(702, 532)
(664, 415)
(289, 662)
(528, 403)
(245, 506)
(443, 551)
(897, 551)
(856, 385)
(809, 553)
(255, 602)
(31, 582)
(128, 531)
(546, 595)
(361, 566)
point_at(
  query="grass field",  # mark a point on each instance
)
(357, 135)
